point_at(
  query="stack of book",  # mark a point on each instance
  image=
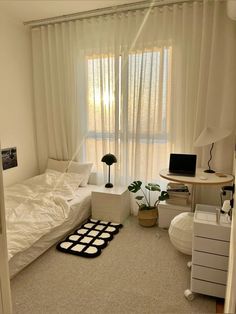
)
(178, 193)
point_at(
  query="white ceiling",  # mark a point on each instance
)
(27, 10)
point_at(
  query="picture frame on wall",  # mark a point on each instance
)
(9, 158)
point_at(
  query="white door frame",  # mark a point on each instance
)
(5, 289)
(230, 297)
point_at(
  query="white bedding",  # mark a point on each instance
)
(36, 206)
(80, 210)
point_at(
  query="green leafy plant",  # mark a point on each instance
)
(144, 201)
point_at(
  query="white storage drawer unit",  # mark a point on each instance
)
(111, 204)
(210, 252)
(167, 212)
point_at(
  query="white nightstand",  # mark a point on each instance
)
(111, 204)
(210, 253)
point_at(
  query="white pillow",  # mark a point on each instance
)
(74, 180)
(81, 168)
(61, 180)
(58, 165)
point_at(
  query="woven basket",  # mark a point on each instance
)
(148, 217)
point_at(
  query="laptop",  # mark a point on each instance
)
(182, 164)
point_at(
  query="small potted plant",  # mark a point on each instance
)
(148, 213)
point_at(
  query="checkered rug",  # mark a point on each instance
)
(90, 238)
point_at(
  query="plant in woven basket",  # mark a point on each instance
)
(148, 210)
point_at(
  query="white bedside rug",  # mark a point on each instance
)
(90, 238)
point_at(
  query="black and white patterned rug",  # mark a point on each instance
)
(90, 238)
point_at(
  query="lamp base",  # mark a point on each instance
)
(109, 185)
(209, 171)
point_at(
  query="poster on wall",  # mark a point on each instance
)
(9, 158)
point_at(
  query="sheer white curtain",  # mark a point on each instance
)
(59, 92)
(216, 96)
(138, 84)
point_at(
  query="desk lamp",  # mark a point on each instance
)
(209, 136)
(109, 159)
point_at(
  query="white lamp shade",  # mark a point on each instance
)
(211, 135)
(181, 232)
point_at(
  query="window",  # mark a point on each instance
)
(128, 100)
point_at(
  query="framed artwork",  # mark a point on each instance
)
(9, 158)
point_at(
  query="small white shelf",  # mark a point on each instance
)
(111, 204)
(167, 212)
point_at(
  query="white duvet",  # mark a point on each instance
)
(36, 206)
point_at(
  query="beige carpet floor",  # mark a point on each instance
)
(139, 272)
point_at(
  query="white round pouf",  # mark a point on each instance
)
(181, 231)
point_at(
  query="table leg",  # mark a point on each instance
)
(193, 197)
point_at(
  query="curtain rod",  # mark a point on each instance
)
(104, 11)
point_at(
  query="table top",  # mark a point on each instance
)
(201, 177)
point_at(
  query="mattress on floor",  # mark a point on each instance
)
(80, 210)
(35, 226)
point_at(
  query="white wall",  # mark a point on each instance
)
(16, 97)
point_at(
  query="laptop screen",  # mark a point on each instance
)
(184, 164)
